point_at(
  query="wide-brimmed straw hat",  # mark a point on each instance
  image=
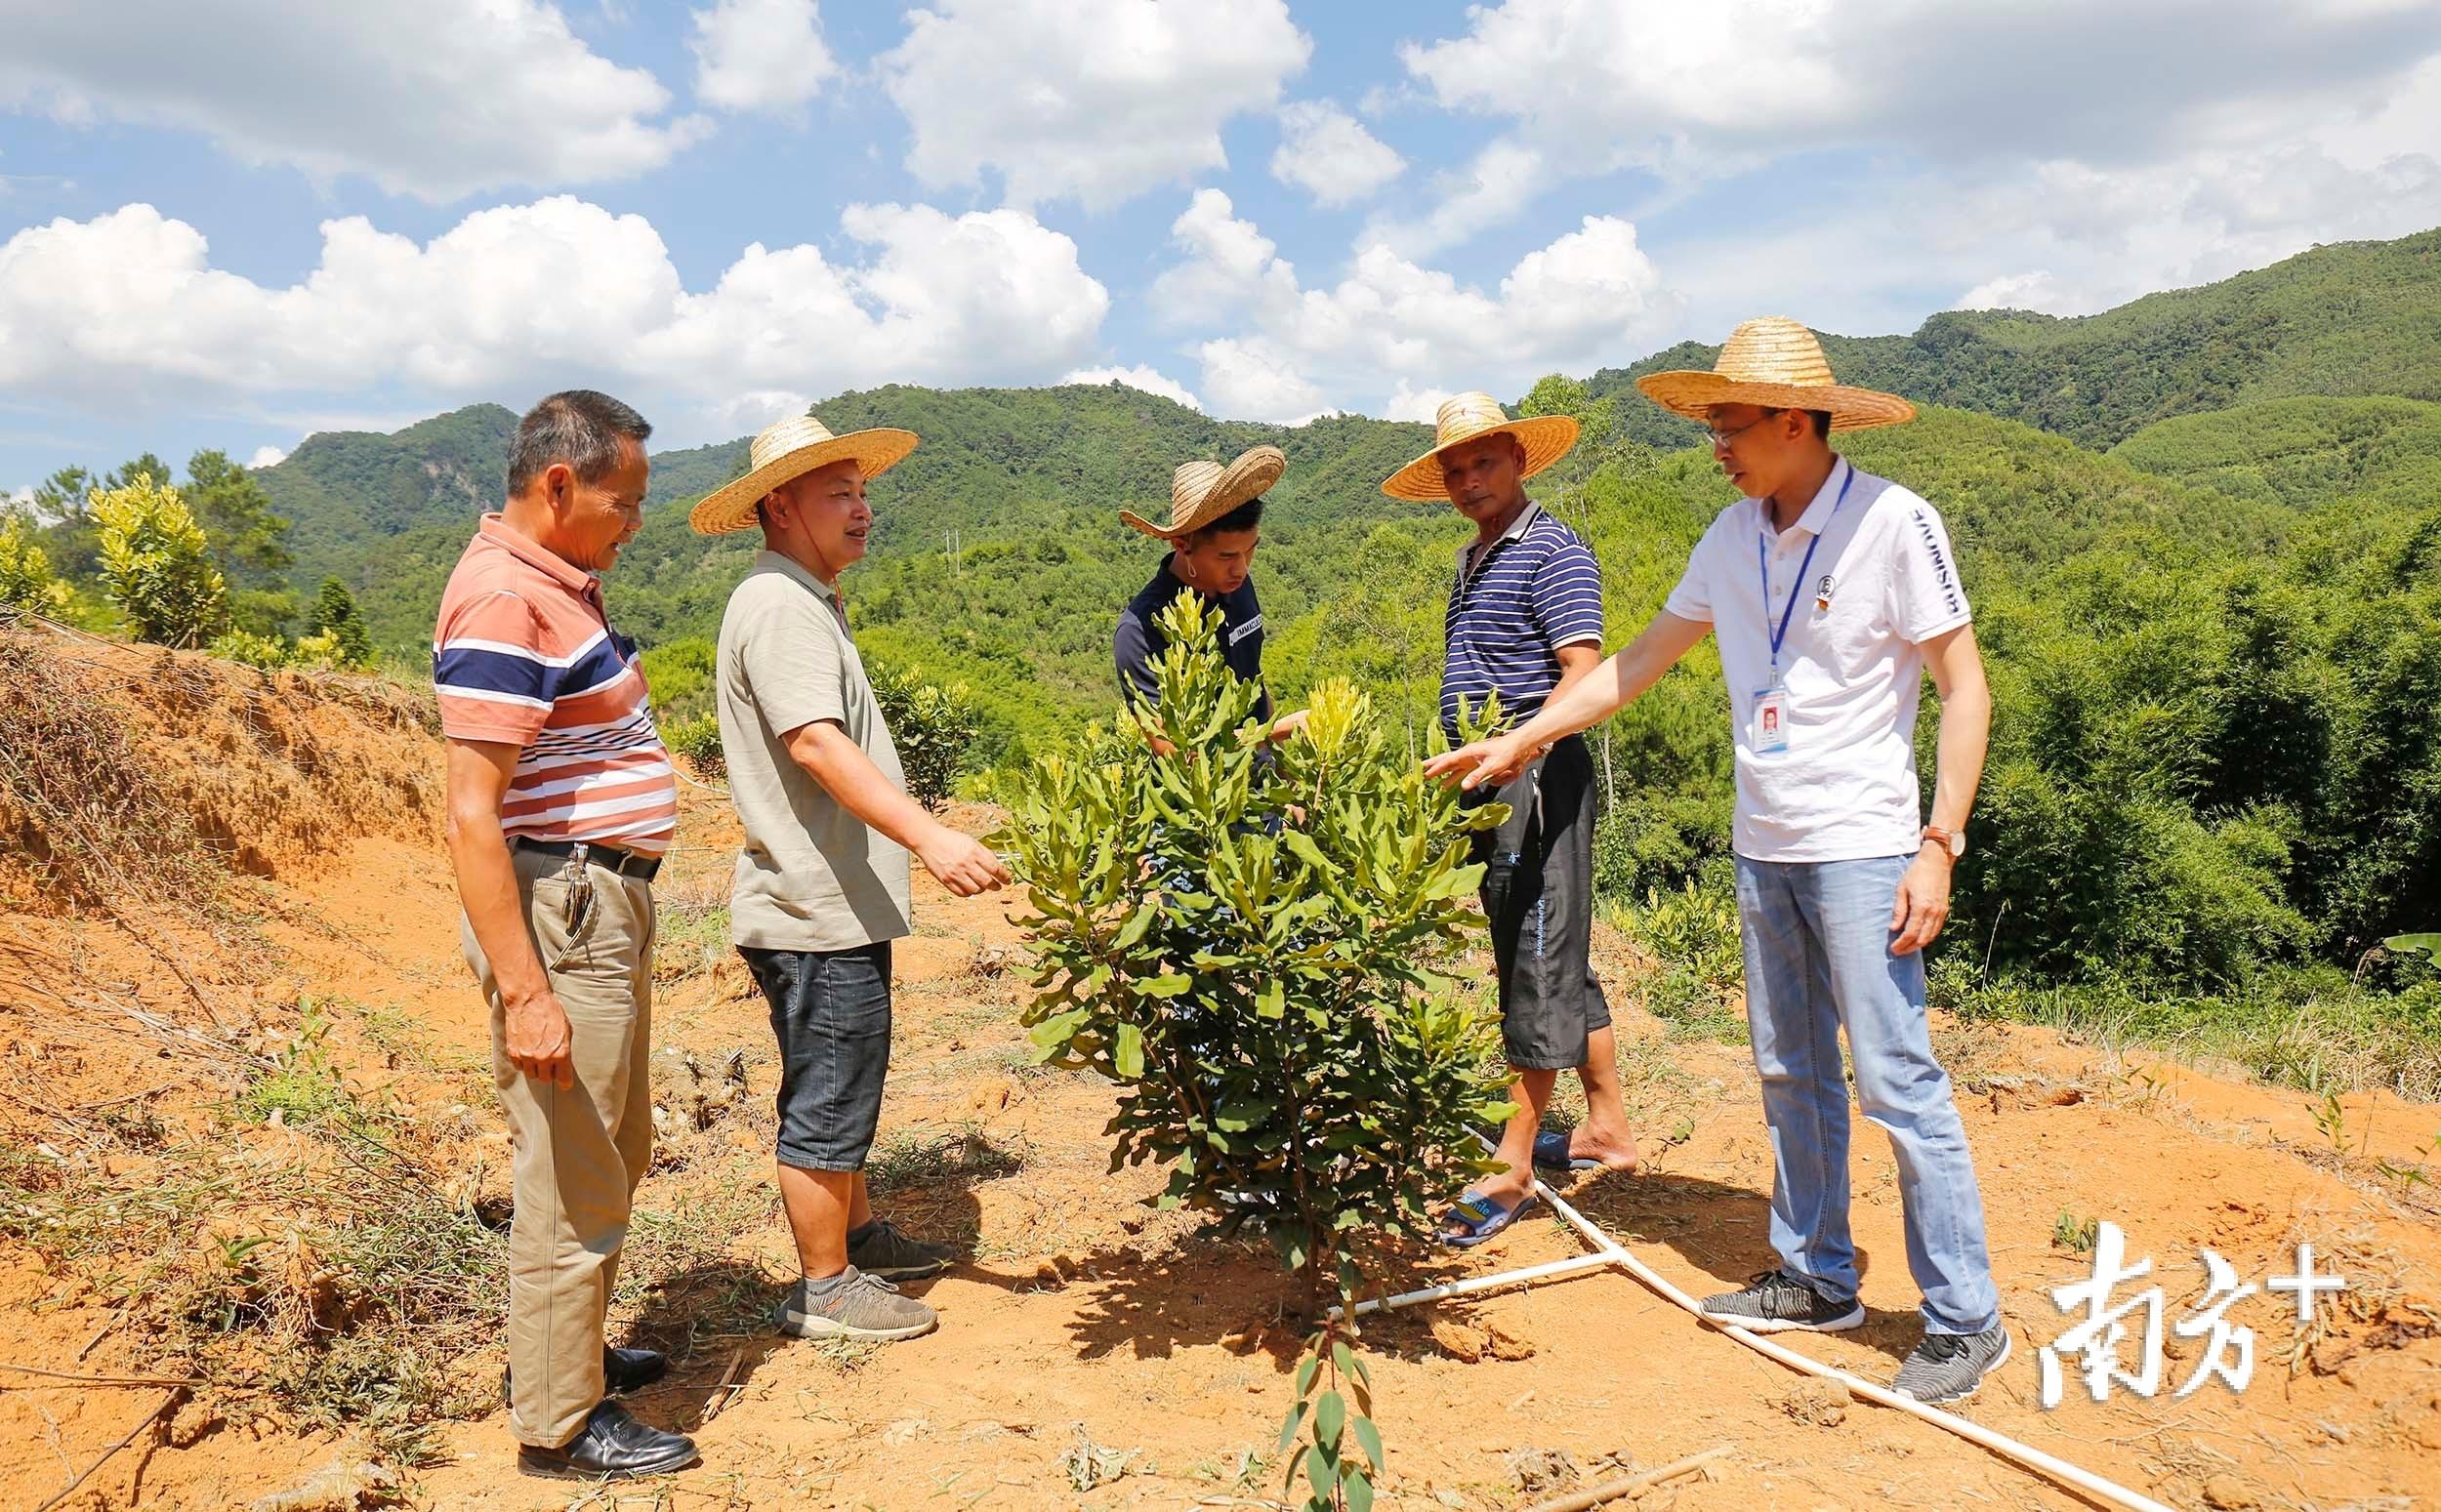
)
(1201, 492)
(1774, 362)
(791, 449)
(1546, 439)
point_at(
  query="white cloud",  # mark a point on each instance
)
(759, 55)
(1681, 81)
(1330, 155)
(1137, 377)
(1502, 179)
(267, 457)
(1087, 99)
(1227, 260)
(20, 498)
(1590, 295)
(526, 298)
(1422, 405)
(757, 408)
(437, 100)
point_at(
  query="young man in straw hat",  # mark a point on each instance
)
(1525, 621)
(1216, 524)
(823, 880)
(561, 807)
(1831, 592)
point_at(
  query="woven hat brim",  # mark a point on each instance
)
(1693, 393)
(731, 506)
(1546, 439)
(1250, 474)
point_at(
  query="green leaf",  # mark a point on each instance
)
(1369, 1438)
(1238, 1114)
(1320, 1472)
(2427, 945)
(1346, 1358)
(1127, 1057)
(1172, 984)
(1330, 1417)
(1306, 1369)
(1356, 1487)
(1288, 1429)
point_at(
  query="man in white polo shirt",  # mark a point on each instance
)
(1831, 592)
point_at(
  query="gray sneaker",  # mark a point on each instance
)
(1949, 1367)
(866, 1307)
(894, 1255)
(1776, 1301)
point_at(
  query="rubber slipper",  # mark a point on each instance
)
(1551, 1153)
(1474, 1218)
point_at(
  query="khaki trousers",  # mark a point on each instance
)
(577, 1155)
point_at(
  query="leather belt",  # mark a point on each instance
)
(626, 863)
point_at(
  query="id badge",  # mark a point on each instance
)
(1769, 731)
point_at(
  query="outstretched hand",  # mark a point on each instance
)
(1494, 760)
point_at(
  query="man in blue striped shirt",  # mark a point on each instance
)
(1525, 621)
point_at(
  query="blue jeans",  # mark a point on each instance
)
(1817, 937)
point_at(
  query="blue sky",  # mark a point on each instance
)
(233, 225)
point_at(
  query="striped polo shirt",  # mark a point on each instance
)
(524, 656)
(1513, 605)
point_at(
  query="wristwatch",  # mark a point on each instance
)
(1952, 841)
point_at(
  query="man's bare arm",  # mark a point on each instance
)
(1580, 701)
(965, 865)
(537, 1033)
(1955, 662)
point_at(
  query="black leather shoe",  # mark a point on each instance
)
(622, 1371)
(610, 1446)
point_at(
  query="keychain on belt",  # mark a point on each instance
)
(579, 878)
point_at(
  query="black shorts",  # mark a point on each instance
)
(830, 1011)
(1537, 894)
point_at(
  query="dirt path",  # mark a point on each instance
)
(1089, 1341)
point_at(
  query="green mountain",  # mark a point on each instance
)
(2346, 320)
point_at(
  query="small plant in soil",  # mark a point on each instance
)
(1252, 943)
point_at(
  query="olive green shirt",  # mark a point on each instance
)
(812, 875)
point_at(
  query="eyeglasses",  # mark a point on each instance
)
(1722, 438)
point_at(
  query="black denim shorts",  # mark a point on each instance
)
(1538, 896)
(830, 1011)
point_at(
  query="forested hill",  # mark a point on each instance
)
(2351, 318)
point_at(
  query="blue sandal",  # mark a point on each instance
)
(1474, 1218)
(1551, 1153)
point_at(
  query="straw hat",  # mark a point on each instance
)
(1546, 439)
(1774, 362)
(791, 449)
(1201, 492)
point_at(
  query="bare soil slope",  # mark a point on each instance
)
(215, 1116)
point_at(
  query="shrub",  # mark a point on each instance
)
(336, 616)
(1257, 960)
(25, 580)
(696, 741)
(267, 652)
(155, 565)
(932, 728)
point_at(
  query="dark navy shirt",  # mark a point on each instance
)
(1515, 604)
(1139, 642)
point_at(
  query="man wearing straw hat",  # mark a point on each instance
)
(823, 880)
(1525, 621)
(1831, 594)
(1216, 520)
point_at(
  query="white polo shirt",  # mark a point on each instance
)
(1845, 785)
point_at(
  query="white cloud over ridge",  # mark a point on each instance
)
(1137, 377)
(436, 99)
(1592, 294)
(528, 298)
(759, 55)
(1093, 100)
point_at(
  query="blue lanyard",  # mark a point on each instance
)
(1762, 565)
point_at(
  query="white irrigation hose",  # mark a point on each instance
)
(1610, 1252)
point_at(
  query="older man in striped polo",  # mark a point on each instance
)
(561, 807)
(1525, 620)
